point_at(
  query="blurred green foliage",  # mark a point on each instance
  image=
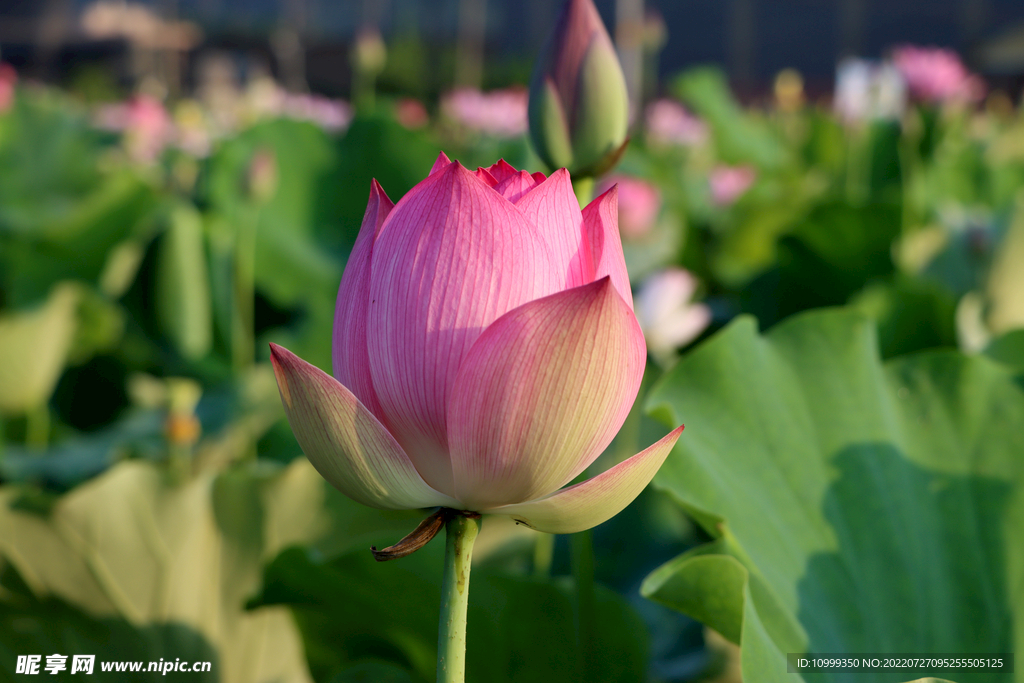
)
(137, 525)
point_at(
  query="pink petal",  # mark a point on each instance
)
(451, 258)
(595, 500)
(347, 445)
(502, 171)
(484, 175)
(514, 187)
(553, 207)
(542, 393)
(440, 164)
(539, 177)
(603, 244)
(349, 352)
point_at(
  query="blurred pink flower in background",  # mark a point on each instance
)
(145, 123)
(728, 183)
(666, 313)
(669, 123)
(639, 204)
(411, 113)
(501, 113)
(8, 79)
(937, 75)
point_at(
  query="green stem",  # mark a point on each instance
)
(584, 189)
(37, 427)
(543, 552)
(582, 557)
(461, 532)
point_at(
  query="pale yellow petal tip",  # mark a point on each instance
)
(596, 500)
(277, 360)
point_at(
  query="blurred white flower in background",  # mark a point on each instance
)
(867, 91)
(669, 123)
(501, 113)
(331, 115)
(667, 315)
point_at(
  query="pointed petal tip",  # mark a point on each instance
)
(596, 500)
(440, 164)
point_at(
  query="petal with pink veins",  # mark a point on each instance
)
(346, 444)
(553, 207)
(595, 500)
(502, 170)
(542, 393)
(442, 162)
(452, 257)
(485, 175)
(514, 187)
(604, 245)
(349, 351)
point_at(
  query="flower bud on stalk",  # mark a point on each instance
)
(579, 106)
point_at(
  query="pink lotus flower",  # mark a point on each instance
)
(728, 183)
(639, 204)
(669, 123)
(485, 353)
(936, 75)
(8, 79)
(501, 113)
(411, 113)
(146, 125)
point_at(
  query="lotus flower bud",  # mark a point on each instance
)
(579, 106)
(485, 353)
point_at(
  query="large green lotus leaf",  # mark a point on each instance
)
(48, 159)
(520, 629)
(856, 507)
(136, 550)
(1008, 349)
(81, 244)
(45, 627)
(33, 348)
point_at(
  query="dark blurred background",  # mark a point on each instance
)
(89, 45)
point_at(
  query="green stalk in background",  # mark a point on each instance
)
(243, 344)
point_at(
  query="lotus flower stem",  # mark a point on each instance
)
(461, 532)
(581, 548)
(543, 552)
